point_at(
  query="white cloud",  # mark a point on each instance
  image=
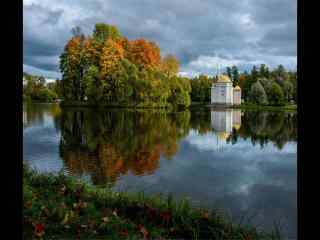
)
(41, 72)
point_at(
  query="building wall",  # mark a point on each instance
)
(237, 97)
(222, 93)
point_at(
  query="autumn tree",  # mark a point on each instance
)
(108, 68)
(170, 65)
(144, 53)
(73, 65)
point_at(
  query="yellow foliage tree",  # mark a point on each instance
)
(111, 55)
(170, 65)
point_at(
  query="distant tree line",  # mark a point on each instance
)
(36, 89)
(261, 86)
(106, 67)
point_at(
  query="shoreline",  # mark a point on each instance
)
(194, 105)
(61, 206)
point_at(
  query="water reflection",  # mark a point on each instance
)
(110, 144)
(241, 161)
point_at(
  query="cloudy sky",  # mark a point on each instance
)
(201, 33)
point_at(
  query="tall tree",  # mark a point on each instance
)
(235, 76)
(254, 74)
(229, 72)
(264, 71)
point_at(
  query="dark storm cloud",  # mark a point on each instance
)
(244, 32)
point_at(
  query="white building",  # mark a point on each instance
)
(223, 93)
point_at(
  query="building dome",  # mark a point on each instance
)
(237, 88)
(223, 78)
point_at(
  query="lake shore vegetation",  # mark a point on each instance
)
(35, 89)
(260, 87)
(59, 206)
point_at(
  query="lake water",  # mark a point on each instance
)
(242, 162)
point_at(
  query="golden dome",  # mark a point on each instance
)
(223, 78)
(223, 135)
(237, 88)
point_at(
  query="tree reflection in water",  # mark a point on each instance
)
(106, 144)
(110, 143)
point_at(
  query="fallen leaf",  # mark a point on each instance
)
(165, 216)
(124, 233)
(143, 230)
(39, 229)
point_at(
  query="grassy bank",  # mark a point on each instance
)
(248, 106)
(117, 105)
(60, 207)
(290, 107)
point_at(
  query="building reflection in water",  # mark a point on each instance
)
(223, 122)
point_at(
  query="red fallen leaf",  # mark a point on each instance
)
(151, 212)
(143, 230)
(39, 229)
(165, 216)
(124, 233)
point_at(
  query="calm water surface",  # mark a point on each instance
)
(244, 163)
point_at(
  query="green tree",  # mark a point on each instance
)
(254, 74)
(229, 72)
(276, 96)
(288, 89)
(180, 91)
(257, 94)
(235, 76)
(264, 71)
(93, 87)
(103, 31)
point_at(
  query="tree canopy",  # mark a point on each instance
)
(108, 68)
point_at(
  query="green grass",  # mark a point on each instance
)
(115, 105)
(249, 106)
(61, 207)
